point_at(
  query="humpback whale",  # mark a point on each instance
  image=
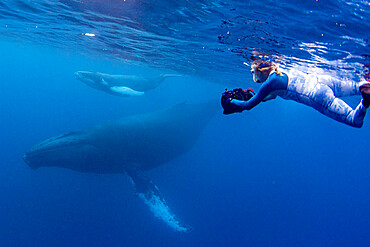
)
(121, 85)
(130, 145)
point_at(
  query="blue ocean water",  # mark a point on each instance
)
(279, 175)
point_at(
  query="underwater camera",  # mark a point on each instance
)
(237, 93)
(367, 72)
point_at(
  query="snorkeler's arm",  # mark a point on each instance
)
(276, 82)
(269, 97)
(264, 91)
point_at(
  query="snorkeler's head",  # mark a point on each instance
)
(261, 70)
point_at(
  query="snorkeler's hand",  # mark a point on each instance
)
(241, 104)
(235, 100)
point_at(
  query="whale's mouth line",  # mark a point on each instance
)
(36, 153)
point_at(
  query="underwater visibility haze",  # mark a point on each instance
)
(279, 175)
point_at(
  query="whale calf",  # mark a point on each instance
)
(121, 85)
(130, 145)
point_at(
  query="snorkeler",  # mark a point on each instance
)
(320, 92)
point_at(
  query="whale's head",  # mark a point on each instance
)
(72, 150)
(89, 78)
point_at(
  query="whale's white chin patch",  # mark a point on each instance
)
(126, 91)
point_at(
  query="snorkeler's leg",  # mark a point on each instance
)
(324, 101)
(341, 87)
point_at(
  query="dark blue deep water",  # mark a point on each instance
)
(279, 175)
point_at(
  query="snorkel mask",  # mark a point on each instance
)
(261, 68)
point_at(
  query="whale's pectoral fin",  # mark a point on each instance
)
(149, 193)
(126, 91)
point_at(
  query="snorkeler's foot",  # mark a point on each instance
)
(365, 91)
